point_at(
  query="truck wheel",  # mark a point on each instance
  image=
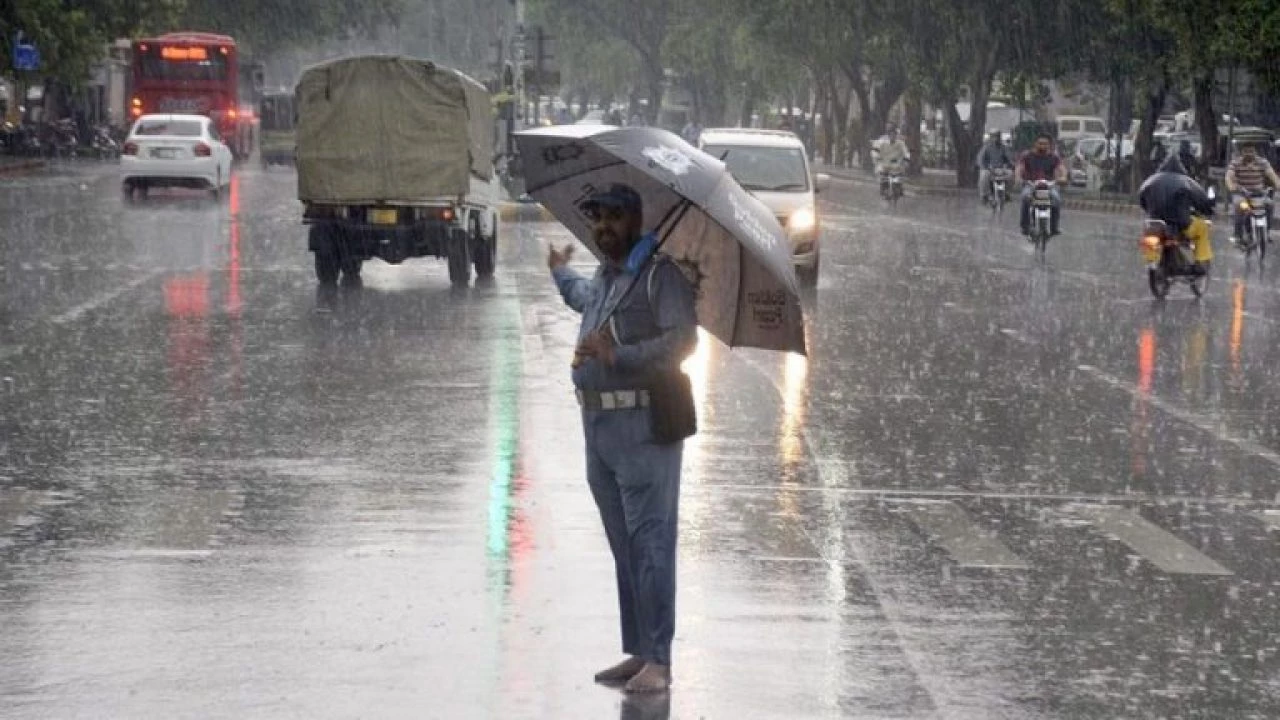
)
(482, 250)
(457, 249)
(326, 252)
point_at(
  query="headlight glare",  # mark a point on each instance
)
(802, 220)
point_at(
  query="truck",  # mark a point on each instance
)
(395, 160)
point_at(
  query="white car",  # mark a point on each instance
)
(773, 166)
(174, 151)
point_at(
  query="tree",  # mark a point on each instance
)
(643, 26)
(72, 35)
(591, 63)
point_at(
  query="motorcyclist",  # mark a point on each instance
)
(995, 154)
(890, 155)
(1172, 196)
(1248, 173)
(1041, 163)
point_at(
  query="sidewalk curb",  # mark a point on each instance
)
(1068, 203)
(22, 166)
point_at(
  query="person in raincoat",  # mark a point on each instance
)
(634, 480)
(1172, 196)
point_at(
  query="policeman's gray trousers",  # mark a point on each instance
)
(636, 486)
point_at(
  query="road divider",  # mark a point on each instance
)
(13, 167)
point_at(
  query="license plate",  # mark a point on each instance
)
(166, 153)
(383, 216)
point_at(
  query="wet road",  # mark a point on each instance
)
(999, 488)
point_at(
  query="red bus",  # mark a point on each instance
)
(191, 73)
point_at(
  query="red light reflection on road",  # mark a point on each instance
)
(233, 267)
(1237, 325)
(1141, 422)
(186, 303)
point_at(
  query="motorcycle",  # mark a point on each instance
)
(103, 144)
(891, 185)
(1170, 259)
(1257, 207)
(26, 142)
(998, 193)
(1041, 214)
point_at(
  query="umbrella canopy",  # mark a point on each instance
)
(727, 242)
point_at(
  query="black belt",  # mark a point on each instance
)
(613, 399)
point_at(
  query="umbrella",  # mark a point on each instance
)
(729, 244)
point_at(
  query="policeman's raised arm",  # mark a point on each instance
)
(576, 290)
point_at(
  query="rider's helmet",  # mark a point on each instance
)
(892, 131)
(997, 137)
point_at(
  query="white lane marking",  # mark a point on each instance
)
(1256, 316)
(1271, 518)
(75, 313)
(787, 559)
(189, 522)
(1017, 336)
(968, 545)
(1199, 422)
(14, 504)
(1156, 545)
(892, 492)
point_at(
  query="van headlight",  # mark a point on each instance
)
(802, 220)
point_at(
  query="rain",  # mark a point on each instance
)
(294, 421)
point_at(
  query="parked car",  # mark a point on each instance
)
(174, 151)
(1095, 151)
(1075, 127)
(773, 166)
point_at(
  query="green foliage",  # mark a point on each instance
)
(72, 34)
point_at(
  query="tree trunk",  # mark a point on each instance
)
(654, 80)
(858, 139)
(883, 98)
(911, 121)
(748, 105)
(1154, 104)
(968, 138)
(837, 124)
(1206, 118)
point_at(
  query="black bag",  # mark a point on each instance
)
(673, 416)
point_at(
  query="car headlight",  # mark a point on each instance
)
(802, 220)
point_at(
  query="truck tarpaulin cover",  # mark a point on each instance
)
(390, 129)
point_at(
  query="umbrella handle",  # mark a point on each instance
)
(678, 211)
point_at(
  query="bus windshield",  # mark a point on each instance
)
(183, 63)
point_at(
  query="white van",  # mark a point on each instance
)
(773, 166)
(1074, 127)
